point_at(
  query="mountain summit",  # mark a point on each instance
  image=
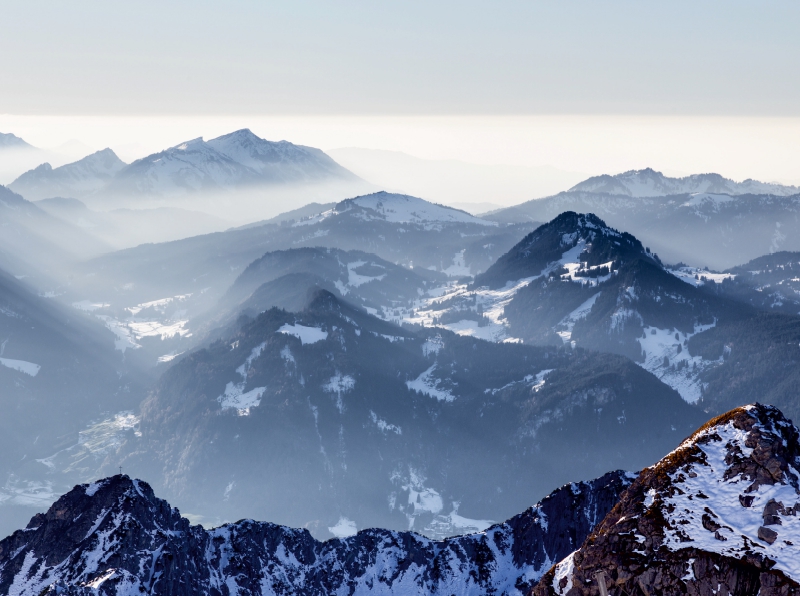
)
(717, 515)
(576, 244)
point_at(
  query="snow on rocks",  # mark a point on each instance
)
(117, 538)
(717, 515)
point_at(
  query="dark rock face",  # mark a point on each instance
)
(680, 528)
(116, 537)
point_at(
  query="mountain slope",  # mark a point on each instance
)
(38, 244)
(198, 271)
(12, 141)
(114, 536)
(368, 422)
(125, 228)
(58, 374)
(578, 282)
(649, 183)
(718, 515)
(74, 180)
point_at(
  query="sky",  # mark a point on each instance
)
(581, 85)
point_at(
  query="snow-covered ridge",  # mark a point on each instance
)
(718, 515)
(650, 183)
(115, 537)
(238, 159)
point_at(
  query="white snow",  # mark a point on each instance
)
(684, 375)
(157, 329)
(564, 570)
(567, 324)
(29, 368)
(307, 335)
(89, 306)
(427, 384)
(235, 395)
(706, 199)
(420, 497)
(459, 268)
(168, 357)
(343, 528)
(698, 277)
(124, 338)
(684, 510)
(355, 279)
(92, 489)
(384, 426)
(339, 385)
(397, 208)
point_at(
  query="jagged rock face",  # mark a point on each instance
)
(116, 537)
(716, 516)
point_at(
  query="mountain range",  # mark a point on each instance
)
(370, 423)
(377, 361)
(238, 160)
(650, 183)
(717, 515)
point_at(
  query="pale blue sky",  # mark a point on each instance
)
(324, 57)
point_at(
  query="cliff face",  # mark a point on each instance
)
(716, 516)
(116, 537)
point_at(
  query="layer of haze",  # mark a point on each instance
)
(468, 102)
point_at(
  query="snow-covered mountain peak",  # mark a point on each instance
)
(192, 144)
(278, 161)
(397, 208)
(651, 183)
(580, 242)
(720, 510)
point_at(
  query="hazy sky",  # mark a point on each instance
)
(729, 57)
(582, 85)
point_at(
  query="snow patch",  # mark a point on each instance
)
(29, 368)
(427, 384)
(306, 335)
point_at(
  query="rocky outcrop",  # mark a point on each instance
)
(116, 537)
(716, 516)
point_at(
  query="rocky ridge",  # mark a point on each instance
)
(716, 516)
(116, 537)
